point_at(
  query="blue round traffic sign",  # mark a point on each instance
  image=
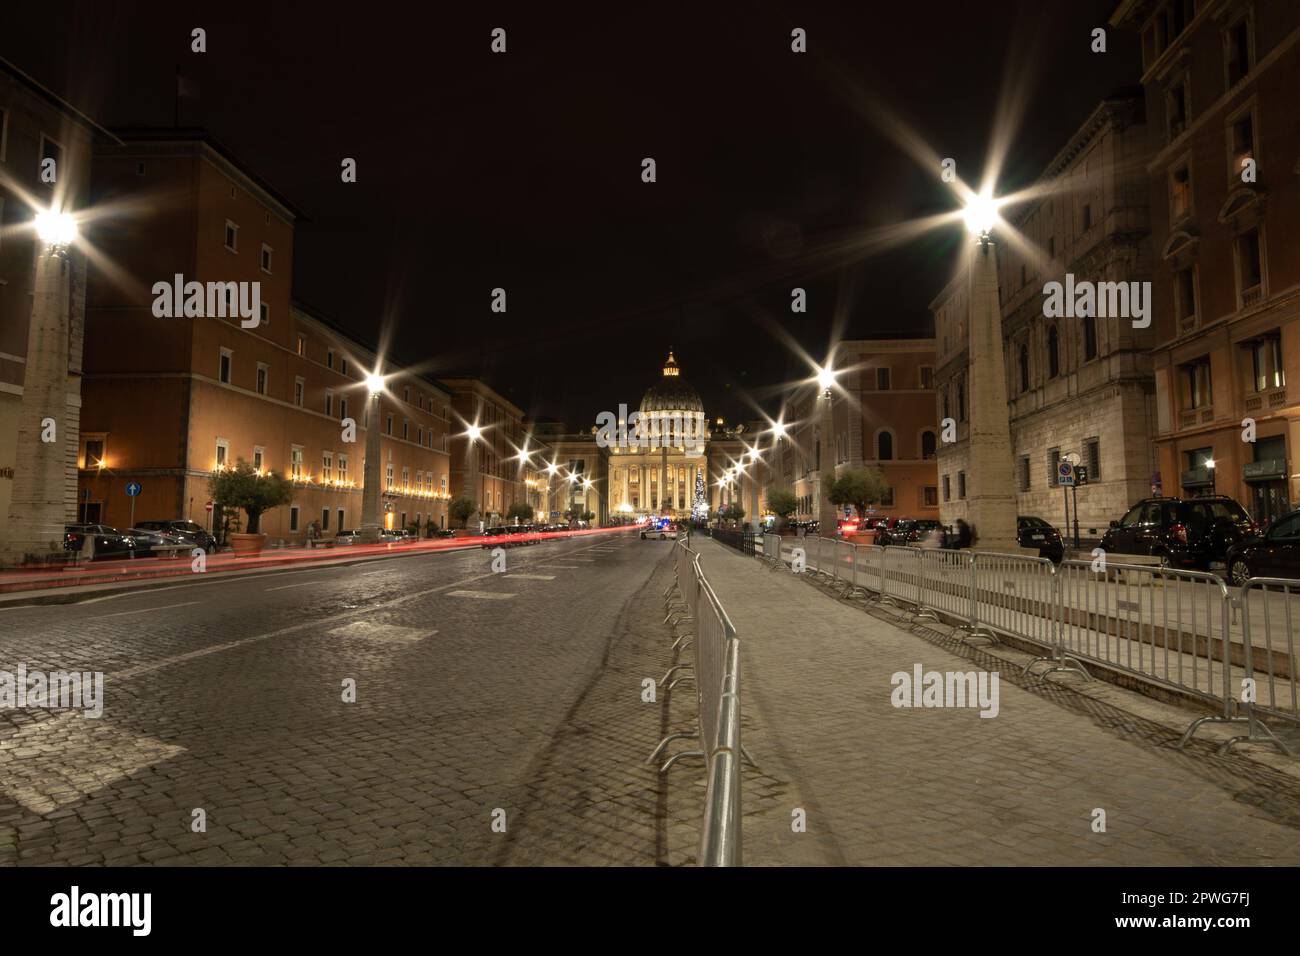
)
(132, 488)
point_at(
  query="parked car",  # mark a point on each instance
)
(1274, 554)
(109, 542)
(1182, 532)
(845, 526)
(154, 542)
(189, 532)
(1034, 532)
(905, 531)
(347, 537)
(395, 536)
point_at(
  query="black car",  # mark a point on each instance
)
(1182, 532)
(109, 542)
(189, 532)
(154, 542)
(1274, 554)
(1034, 532)
(905, 531)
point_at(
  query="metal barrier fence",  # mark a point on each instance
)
(716, 673)
(1176, 628)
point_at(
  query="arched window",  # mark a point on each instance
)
(1024, 368)
(884, 446)
(928, 444)
(1089, 338)
(1053, 353)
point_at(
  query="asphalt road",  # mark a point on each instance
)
(227, 697)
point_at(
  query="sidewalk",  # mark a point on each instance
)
(942, 786)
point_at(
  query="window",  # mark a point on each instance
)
(929, 445)
(1185, 294)
(1092, 458)
(389, 426)
(388, 476)
(1180, 193)
(223, 366)
(1241, 144)
(264, 314)
(961, 400)
(295, 461)
(259, 457)
(343, 475)
(263, 371)
(1250, 272)
(406, 394)
(961, 484)
(1267, 368)
(50, 149)
(327, 466)
(1053, 352)
(302, 345)
(1022, 470)
(406, 429)
(406, 477)
(884, 446)
(223, 453)
(325, 519)
(94, 453)
(1053, 460)
(927, 377)
(329, 358)
(232, 236)
(882, 379)
(299, 387)
(1197, 392)
(419, 437)
(1051, 247)
(887, 498)
(340, 525)
(946, 405)
(343, 408)
(329, 403)
(293, 518)
(1176, 109)
(1085, 216)
(1024, 368)
(1238, 53)
(929, 497)
(266, 266)
(343, 366)
(1089, 338)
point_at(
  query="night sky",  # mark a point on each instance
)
(523, 170)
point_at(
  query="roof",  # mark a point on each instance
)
(59, 103)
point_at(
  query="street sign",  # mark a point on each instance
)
(208, 506)
(1080, 474)
(1065, 474)
(132, 488)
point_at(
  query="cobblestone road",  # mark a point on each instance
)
(474, 692)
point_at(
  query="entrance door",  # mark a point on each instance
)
(1268, 501)
(91, 511)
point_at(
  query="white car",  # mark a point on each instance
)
(663, 532)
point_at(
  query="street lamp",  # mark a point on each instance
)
(370, 492)
(56, 229)
(981, 214)
(1209, 466)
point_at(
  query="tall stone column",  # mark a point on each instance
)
(991, 499)
(37, 505)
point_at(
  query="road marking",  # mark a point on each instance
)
(532, 577)
(383, 633)
(565, 567)
(146, 610)
(481, 595)
(56, 762)
(300, 584)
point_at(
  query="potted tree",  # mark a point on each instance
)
(254, 493)
(859, 487)
(520, 512)
(462, 509)
(782, 503)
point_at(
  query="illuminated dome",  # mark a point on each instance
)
(672, 393)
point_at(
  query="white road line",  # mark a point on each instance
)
(531, 577)
(480, 595)
(300, 584)
(145, 610)
(565, 567)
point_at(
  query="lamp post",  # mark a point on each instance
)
(38, 508)
(1209, 466)
(370, 492)
(991, 503)
(826, 513)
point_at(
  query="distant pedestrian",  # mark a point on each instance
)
(965, 537)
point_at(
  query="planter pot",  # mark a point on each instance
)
(462, 533)
(247, 545)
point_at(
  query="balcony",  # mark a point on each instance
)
(1252, 296)
(1267, 469)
